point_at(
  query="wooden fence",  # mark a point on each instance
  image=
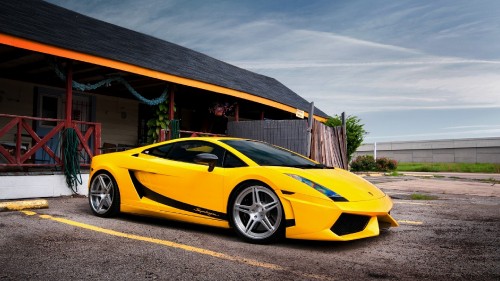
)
(328, 145)
(290, 134)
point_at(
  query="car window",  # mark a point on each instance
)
(266, 154)
(186, 151)
(159, 151)
(231, 161)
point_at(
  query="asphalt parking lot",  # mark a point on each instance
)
(453, 237)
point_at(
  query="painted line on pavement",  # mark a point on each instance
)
(179, 246)
(410, 222)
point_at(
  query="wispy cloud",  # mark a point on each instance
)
(354, 56)
(488, 127)
(319, 64)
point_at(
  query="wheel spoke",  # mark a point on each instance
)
(267, 224)
(268, 207)
(108, 187)
(101, 205)
(108, 200)
(250, 225)
(255, 195)
(242, 208)
(102, 183)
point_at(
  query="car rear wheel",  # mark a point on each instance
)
(104, 196)
(256, 214)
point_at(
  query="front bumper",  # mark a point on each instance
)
(317, 219)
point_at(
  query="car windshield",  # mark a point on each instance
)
(268, 155)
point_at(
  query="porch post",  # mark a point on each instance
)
(69, 94)
(237, 113)
(171, 107)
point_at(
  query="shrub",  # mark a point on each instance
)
(386, 164)
(367, 163)
(364, 163)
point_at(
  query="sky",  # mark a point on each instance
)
(410, 70)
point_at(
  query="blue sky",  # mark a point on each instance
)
(411, 70)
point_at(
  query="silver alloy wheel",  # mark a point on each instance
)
(102, 193)
(257, 212)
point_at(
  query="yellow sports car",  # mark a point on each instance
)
(262, 191)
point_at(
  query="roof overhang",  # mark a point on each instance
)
(101, 61)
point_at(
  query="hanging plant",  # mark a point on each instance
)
(158, 122)
(221, 109)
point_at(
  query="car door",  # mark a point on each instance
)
(172, 179)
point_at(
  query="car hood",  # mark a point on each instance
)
(346, 184)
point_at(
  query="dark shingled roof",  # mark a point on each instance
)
(50, 24)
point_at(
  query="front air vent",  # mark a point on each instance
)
(349, 223)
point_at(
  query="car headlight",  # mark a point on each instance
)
(327, 192)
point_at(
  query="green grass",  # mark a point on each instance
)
(418, 196)
(394, 174)
(449, 167)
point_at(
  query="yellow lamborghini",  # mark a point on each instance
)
(262, 191)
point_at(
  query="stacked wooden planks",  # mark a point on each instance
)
(329, 145)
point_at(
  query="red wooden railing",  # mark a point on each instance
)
(16, 154)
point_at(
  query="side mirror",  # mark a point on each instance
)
(206, 159)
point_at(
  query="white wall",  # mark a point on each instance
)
(19, 187)
(16, 99)
(119, 119)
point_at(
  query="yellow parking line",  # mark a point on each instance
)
(410, 222)
(179, 246)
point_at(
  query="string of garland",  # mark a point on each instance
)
(71, 159)
(107, 82)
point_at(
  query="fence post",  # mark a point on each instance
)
(345, 160)
(309, 129)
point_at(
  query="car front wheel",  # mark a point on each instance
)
(256, 214)
(104, 196)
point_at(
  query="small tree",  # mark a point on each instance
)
(158, 122)
(354, 129)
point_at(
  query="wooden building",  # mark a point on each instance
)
(60, 69)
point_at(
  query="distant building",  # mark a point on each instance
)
(480, 150)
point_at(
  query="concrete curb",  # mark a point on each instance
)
(22, 205)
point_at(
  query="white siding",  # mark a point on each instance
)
(17, 99)
(119, 119)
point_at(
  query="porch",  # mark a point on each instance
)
(67, 85)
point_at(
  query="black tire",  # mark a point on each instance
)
(256, 214)
(104, 195)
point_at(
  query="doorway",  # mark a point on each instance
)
(50, 103)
